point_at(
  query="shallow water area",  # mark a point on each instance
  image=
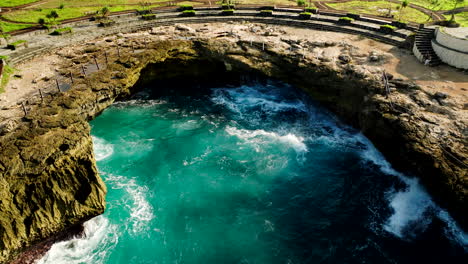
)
(252, 174)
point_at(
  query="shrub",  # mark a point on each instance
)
(266, 12)
(148, 16)
(188, 13)
(144, 12)
(301, 2)
(312, 10)
(227, 12)
(185, 7)
(53, 15)
(61, 31)
(62, 6)
(388, 29)
(42, 22)
(388, 26)
(305, 15)
(345, 20)
(16, 44)
(105, 11)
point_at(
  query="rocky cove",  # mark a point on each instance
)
(48, 166)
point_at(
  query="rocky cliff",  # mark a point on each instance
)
(47, 168)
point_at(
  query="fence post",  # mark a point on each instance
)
(105, 54)
(42, 96)
(24, 109)
(58, 86)
(95, 61)
(83, 69)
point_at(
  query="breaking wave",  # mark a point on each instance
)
(99, 239)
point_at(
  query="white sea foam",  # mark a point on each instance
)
(409, 207)
(411, 204)
(141, 211)
(452, 230)
(245, 97)
(184, 126)
(259, 137)
(198, 158)
(102, 149)
(99, 239)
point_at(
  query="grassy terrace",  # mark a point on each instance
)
(382, 8)
(8, 3)
(441, 5)
(33, 15)
(68, 9)
(7, 27)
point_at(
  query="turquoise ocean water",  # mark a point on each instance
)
(251, 174)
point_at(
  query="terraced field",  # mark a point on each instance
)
(12, 19)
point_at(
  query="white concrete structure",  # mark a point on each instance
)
(451, 45)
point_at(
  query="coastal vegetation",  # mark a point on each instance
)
(54, 11)
(7, 3)
(383, 8)
(8, 26)
(6, 75)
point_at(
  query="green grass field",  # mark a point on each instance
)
(381, 8)
(7, 3)
(8, 27)
(441, 5)
(78, 8)
(33, 15)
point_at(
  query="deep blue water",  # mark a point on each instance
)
(252, 174)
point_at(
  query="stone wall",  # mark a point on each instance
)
(451, 49)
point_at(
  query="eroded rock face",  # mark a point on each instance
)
(49, 180)
(48, 172)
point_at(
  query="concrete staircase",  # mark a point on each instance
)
(423, 45)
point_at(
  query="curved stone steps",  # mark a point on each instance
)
(423, 47)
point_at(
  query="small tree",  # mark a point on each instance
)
(41, 22)
(105, 11)
(404, 4)
(300, 2)
(53, 15)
